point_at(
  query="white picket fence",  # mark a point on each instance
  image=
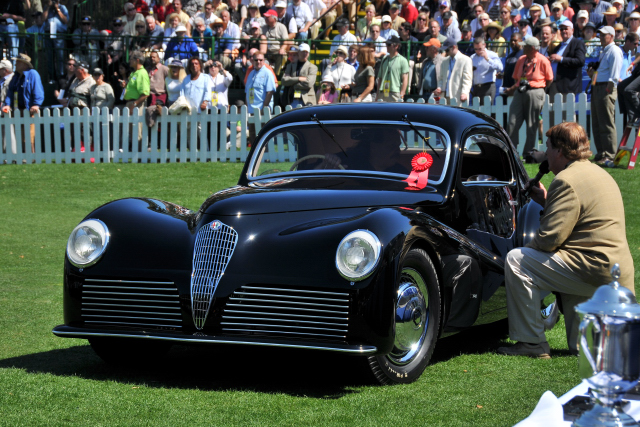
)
(121, 137)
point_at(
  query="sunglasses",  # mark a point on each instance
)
(522, 24)
(130, 10)
(141, 26)
(71, 64)
(118, 25)
(421, 19)
(85, 23)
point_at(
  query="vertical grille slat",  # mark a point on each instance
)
(213, 249)
(119, 303)
(292, 313)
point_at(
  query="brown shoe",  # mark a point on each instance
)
(537, 351)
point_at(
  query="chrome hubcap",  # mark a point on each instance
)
(411, 321)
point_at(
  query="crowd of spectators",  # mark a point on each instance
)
(159, 50)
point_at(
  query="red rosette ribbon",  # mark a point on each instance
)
(419, 175)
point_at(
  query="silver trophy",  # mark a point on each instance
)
(609, 352)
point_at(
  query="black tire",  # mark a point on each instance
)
(129, 351)
(418, 281)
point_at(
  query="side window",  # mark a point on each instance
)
(485, 158)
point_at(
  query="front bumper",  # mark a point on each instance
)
(202, 338)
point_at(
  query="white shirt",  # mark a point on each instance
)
(233, 32)
(207, 21)
(220, 85)
(301, 13)
(381, 47)
(341, 40)
(342, 74)
(316, 7)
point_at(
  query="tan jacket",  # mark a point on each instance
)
(461, 76)
(290, 79)
(583, 222)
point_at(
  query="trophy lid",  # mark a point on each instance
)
(612, 300)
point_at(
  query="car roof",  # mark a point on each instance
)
(453, 120)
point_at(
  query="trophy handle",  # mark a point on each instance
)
(584, 346)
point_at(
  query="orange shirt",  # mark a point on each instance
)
(537, 71)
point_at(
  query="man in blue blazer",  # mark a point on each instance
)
(567, 62)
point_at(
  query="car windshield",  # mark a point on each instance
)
(338, 147)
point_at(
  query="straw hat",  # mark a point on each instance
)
(495, 25)
(24, 58)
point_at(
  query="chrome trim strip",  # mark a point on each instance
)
(130, 323)
(129, 287)
(306, 328)
(256, 153)
(284, 332)
(306, 316)
(281, 320)
(130, 306)
(346, 294)
(287, 308)
(288, 302)
(287, 296)
(129, 300)
(129, 281)
(364, 349)
(126, 311)
(133, 317)
(128, 293)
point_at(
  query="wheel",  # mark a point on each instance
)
(309, 157)
(417, 322)
(129, 351)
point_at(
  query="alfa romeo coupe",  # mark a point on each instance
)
(369, 229)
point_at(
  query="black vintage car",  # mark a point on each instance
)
(368, 229)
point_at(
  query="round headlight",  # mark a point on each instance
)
(87, 243)
(358, 254)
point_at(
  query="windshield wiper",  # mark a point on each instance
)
(324, 128)
(424, 138)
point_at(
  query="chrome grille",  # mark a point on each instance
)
(131, 303)
(281, 313)
(214, 246)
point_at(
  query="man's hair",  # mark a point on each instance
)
(571, 139)
(374, 25)
(406, 26)
(516, 35)
(150, 18)
(137, 55)
(478, 40)
(632, 37)
(189, 64)
(433, 20)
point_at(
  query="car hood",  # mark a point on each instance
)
(296, 195)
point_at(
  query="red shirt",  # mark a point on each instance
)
(409, 12)
(163, 12)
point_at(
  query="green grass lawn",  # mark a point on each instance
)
(45, 380)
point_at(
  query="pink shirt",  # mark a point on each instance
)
(328, 97)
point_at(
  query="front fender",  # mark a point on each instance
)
(528, 222)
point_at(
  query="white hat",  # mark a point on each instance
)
(181, 28)
(328, 79)
(303, 47)
(342, 49)
(386, 18)
(607, 29)
(566, 23)
(618, 1)
(583, 14)
(281, 3)
(6, 65)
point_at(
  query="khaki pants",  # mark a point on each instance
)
(527, 273)
(603, 122)
(526, 107)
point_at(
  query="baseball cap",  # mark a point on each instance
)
(271, 13)
(583, 14)
(386, 18)
(531, 41)
(433, 41)
(394, 6)
(181, 28)
(255, 24)
(6, 65)
(281, 3)
(98, 71)
(535, 7)
(515, 12)
(607, 29)
(557, 5)
(303, 47)
(566, 23)
(393, 39)
(444, 3)
(618, 1)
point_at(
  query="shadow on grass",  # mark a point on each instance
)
(303, 373)
(265, 370)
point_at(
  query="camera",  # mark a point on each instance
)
(594, 65)
(524, 86)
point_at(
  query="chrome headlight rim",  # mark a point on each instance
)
(91, 223)
(375, 244)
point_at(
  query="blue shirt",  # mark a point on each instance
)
(181, 49)
(198, 90)
(524, 13)
(485, 71)
(259, 83)
(29, 88)
(429, 79)
(627, 59)
(610, 64)
(53, 17)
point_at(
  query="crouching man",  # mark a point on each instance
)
(581, 236)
